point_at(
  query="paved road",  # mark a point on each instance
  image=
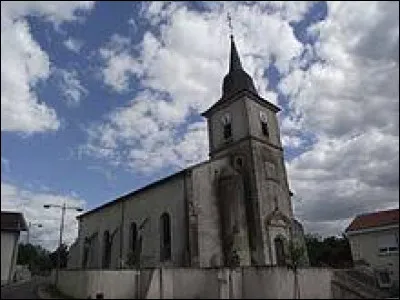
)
(22, 290)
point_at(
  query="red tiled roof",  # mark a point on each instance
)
(376, 219)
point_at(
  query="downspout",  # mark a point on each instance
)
(121, 240)
(188, 261)
(269, 244)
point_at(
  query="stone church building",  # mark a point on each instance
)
(233, 210)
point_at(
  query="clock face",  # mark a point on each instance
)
(226, 118)
(263, 117)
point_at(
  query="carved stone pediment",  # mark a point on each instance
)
(277, 218)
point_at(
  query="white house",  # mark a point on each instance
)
(12, 223)
(374, 239)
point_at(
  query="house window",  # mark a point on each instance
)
(384, 277)
(106, 249)
(388, 244)
(165, 237)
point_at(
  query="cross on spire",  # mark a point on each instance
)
(229, 18)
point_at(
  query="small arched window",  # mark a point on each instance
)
(106, 249)
(165, 237)
(264, 123)
(86, 247)
(264, 127)
(226, 122)
(133, 237)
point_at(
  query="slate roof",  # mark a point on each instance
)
(12, 221)
(375, 219)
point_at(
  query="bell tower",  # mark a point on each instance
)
(244, 127)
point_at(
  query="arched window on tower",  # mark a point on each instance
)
(165, 237)
(226, 121)
(264, 127)
(106, 249)
(264, 123)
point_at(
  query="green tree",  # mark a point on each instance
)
(63, 249)
(296, 252)
(36, 257)
(331, 251)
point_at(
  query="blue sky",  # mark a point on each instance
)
(121, 86)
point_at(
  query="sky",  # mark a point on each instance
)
(101, 98)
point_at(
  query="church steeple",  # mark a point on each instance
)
(235, 63)
(237, 79)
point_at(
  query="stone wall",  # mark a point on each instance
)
(91, 283)
(197, 283)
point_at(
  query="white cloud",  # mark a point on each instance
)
(5, 163)
(144, 136)
(181, 74)
(54, 11)
(349, 100)
(14, 198)
(119, 63)
(24, 64)
(345, 103)
(71, 87)
(73, 44)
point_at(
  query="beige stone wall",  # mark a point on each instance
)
(108, 218)
(167, 197)
(88, 284)
(239, 122)
(197, 283)
(151, 203)
(205, 205)
(253, 110)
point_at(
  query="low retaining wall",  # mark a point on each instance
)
(90, 283)
(195, 283)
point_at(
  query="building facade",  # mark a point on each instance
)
(12, 223)
(374, 240)
(232, 210)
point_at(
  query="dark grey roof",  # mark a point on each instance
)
(236, 83)
(237, 79)
(12, 221)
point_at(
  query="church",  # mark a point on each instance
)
(232, 210)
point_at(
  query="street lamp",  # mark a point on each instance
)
(63, 207)
(30, 224)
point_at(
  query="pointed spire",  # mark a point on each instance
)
(237, 79)
(235, 64)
